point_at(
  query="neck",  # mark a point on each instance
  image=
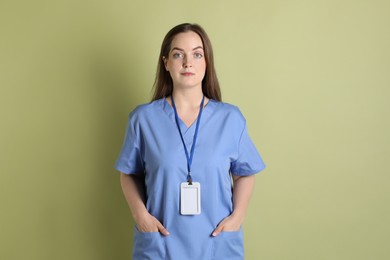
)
(187, 98)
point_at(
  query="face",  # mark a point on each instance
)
(186, 62)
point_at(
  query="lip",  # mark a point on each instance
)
(187, 74)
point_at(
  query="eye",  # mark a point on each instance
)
(198, 55)
(177, 55)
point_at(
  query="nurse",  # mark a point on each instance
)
(187, 163)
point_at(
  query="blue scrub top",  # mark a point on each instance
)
(153, 147)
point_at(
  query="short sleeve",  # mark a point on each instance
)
(248, 161)
(130, 159)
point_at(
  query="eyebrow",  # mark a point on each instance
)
(176, 48)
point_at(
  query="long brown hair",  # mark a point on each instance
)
(163, 85)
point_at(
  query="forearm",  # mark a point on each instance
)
(242, 193)
(134, 192)
(133, 188)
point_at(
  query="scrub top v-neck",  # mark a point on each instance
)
(154, 149)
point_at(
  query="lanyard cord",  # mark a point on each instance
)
(189, 157)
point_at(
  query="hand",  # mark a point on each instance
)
(231, 223)
(148, 223)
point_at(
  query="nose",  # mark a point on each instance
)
(187, 62)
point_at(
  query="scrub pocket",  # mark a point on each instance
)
(148, 245)
(228, 246)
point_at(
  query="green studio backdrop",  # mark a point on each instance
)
(311, 77)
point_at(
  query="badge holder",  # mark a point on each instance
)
(190, 198)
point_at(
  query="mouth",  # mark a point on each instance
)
(187, 74)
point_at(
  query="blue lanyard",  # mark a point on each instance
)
(189, 157)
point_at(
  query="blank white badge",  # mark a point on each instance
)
(190, 198)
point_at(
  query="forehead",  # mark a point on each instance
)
(186, 41)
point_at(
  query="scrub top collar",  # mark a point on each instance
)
(207, 111)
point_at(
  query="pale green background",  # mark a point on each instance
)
(312, 78)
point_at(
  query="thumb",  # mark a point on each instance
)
(162, 230)
(217, 231)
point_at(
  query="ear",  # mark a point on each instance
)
(165, 60)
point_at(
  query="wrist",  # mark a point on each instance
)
(239, 215)
(140, 215)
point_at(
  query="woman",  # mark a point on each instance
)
(187, 163)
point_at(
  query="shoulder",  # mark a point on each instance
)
(228, 110)
(146, 110)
